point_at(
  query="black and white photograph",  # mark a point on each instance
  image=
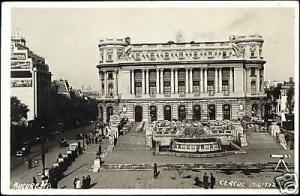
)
(150, 97)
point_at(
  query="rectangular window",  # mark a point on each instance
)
(167, 83)
(138, 88)
(252, 72)
(210, 87)
(196, 83)
(109, 58)
(253, 87)
(225, 87)
(110, 76)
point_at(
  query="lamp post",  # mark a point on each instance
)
(43, 148)
(83, 148)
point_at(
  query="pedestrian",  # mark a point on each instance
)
(205, 180)
(29, 163)
(99, 148)
(197, 181)
(60, 155)
(34, 180)
(96, 139)
(83, 183)
(54, 183)
(88, 179)
(78, 184)
(155, 172)
(212, 181)
(74, 182)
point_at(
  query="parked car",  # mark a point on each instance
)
(63, 142)
(25, 150)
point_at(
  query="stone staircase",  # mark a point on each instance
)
(132, 140)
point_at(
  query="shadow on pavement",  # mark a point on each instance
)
(93, 184)
(74, 170)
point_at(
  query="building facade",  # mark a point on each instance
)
(195, 80)
(30, 78)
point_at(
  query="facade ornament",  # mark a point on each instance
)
(238, 50)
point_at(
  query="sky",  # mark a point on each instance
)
(68, 37)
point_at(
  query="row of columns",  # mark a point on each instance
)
(188, 81)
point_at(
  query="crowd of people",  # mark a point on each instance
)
(84, 183)
(205, 183)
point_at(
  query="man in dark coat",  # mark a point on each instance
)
(155, 172)
(84, 183)
(212, 181)
(88, 179)
(205, 180)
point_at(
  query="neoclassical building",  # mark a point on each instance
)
(191, 80)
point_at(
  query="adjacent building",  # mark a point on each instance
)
(282, 101)
(30, 78)
(61, 87)
(191, 80)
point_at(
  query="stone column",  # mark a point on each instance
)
(100, 83)
(147, 81)
(230, 80)
(201, 80)
(143, 81)
(248, 80)
(115, 82)
(191, 80)
(162, 81)
(172, 81)
(220, 80)
(262, 81)
(157, 81)
(105, 83)
(176, 80)
(132, 82)
(186, 80)
(257, 81)
(216, 80)
(205, 80)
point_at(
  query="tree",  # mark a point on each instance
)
(290, 104)
(18, 110)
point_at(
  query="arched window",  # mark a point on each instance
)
(226, 111)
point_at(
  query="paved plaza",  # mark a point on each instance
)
(130, 148)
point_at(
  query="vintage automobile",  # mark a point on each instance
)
(63, 142)
(25, 150)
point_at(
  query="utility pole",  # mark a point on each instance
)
(83, 138)
(43, 148)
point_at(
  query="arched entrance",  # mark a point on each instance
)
(181, 112)
(100, 113)
(197, 112)
(138, 113)
(153, 113)
(226, 111)
(167, 113)
(211, 112)
(109, 112)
